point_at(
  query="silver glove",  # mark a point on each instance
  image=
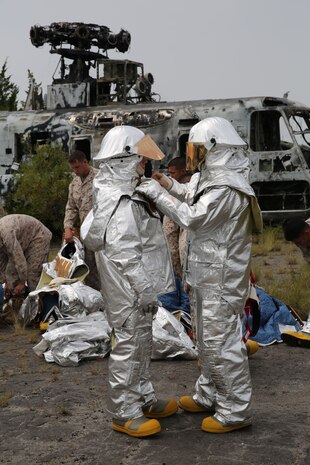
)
(150, 189)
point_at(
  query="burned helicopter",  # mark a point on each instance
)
(80, 109)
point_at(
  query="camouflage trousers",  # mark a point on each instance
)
(92, 279)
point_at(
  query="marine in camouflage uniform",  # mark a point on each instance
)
(176, 236)
(297, 230)
(173, 235)
(24, 247)
(79, 204)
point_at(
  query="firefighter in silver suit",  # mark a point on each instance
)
(134, 266)
(220, 211)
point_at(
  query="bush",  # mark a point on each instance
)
(41, 188)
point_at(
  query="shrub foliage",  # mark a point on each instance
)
(41, 188)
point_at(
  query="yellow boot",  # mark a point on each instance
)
(161, 409)
(211, 425)
(138, 427)
(188, 404)
(300, 338)
(251, 347)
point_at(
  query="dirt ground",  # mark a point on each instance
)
(56, 415)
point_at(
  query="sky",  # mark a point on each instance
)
(195, 49)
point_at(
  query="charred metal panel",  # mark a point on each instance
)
(71, 95)
(278, 198)
(139, 118)
(278, 138)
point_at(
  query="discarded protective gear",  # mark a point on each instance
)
(161, 409)
(299, 338)
(170, 339)
(80, 200)
(219, 209)
(275, 317)
(69, 340)
(71, 300)
(134, 267)
(296, 338)
(138, 427)
(68, 263)
(212, 425)
(188, 404)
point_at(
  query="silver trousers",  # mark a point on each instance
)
(129, 378)
(225, 381)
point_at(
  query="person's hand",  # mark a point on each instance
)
(150, 189)
(7, 291)
(187, 288)
(163, 180)
(68, 235)
(19, 289)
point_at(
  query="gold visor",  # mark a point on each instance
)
(147, 148)
(195, 154)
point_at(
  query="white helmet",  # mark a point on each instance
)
(215, 130)
(126, 141)
(208, 133)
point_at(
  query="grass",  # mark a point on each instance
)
(269, 241)
(280, 269)
(4, 398)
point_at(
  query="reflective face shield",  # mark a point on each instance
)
(147, 148)
(195, 155)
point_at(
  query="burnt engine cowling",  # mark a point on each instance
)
(80, 35)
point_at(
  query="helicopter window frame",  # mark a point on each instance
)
(269, 132)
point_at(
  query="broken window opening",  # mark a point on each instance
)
(39, 138)
(19, 147)
(269, 132)
(283, 195)
(83, 144)
(182, 145)
(306, 153)
(300, 124)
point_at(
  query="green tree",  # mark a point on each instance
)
(34, 100)
(8, 90)
(41, 188)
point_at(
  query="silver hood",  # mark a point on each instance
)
(115, 180)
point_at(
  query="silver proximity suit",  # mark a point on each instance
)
(219, 209)
(134, 267)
